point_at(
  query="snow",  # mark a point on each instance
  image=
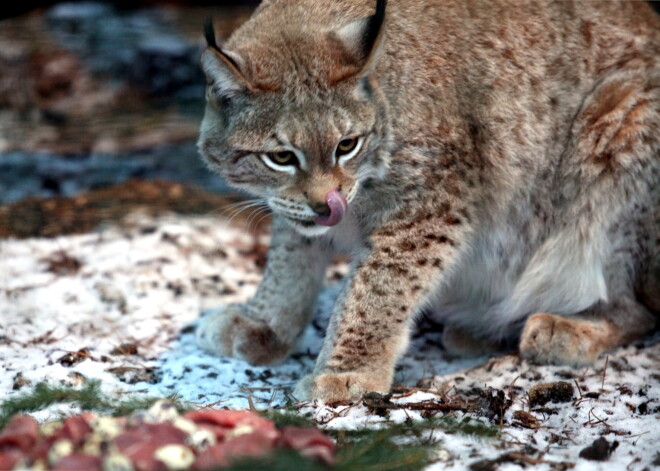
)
(630, 380)
(146, 281)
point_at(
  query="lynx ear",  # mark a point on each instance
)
(363, 39)
(222, 68)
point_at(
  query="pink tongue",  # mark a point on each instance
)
(338, 207)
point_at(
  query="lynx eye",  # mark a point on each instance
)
(283, 161)
(283, 158)
(347, 145)
(348, 148)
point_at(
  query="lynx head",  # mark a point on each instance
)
(292, 113)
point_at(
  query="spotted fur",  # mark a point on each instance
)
(508, 181)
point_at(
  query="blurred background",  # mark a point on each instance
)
(100, 105)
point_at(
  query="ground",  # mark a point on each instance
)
(109, 284)
(119, 304)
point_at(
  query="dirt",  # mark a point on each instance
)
(125, 349)
(52, 217)
(492, 403)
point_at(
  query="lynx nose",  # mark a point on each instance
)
(322, 209)
(336, 205)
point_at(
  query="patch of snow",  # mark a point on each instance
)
(146, 282)
(618, 399)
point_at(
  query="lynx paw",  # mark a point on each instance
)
(552, 339)
(232, 332)
(337, 387)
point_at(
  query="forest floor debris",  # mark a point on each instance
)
(119, 305)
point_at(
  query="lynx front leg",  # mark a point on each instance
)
(369, 328)
(263, 330)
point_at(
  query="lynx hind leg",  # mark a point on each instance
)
(580, 340)
(233, 332)
(615, 147)
(553, 339)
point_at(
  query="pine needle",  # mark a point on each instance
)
(400, 447)
(88, 398)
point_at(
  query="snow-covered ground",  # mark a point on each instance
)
(120, 305)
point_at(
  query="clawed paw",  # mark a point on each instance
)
(552, 339)
(233, 332)
(339, 387)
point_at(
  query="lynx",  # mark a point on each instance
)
(495, 163)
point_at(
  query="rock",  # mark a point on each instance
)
(656, 460)
(599, 450)
(541, 394)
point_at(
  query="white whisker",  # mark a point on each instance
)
(263, 211)
(250, 204)
(264, 216)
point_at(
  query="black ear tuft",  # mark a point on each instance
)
(361, 40)
(373, 29)
(209, 34)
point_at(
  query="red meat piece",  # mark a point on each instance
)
(319, 452)
(159, 434)
(141, 455)
(21, 432)
(79, 462)
(310, 442)
(74, 429)
(9, 458)
(40, 452)
(221, 422)
(141, 442)
(253, 444)
(247, 445)
(227, 418)
(211, 458)
(219, 432)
